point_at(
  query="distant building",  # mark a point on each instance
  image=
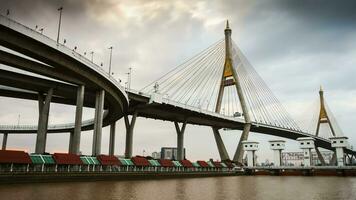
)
(170, 153)
(296, 158)
(156, 155)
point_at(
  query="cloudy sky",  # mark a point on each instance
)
(295, 46)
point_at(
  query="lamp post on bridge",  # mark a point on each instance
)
(92, 56)
(110, 60)
(59, 24)
(129, 78)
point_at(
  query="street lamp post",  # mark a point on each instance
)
(92, 55)
(129, 78)
(110, 60)
(59, 24)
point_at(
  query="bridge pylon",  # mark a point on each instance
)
(323, 119)
(230, 77)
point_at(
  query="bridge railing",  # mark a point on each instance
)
(63, 126)
(7, 22)
(168, 101)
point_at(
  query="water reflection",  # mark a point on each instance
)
(219, 188)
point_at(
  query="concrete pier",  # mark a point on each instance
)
(250, 147)
(277, 146)
(112, 139)
(4, 141)
(75, 145)
(70, 145)
(339, 143)
(129, 134)
(98, 122)
(306, 144)
(180, 140)
(44, 106)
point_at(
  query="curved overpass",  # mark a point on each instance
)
(68, 77)
(59, 62)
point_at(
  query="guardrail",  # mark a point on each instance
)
(63, 126)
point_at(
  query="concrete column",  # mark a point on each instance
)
(71, 138)
(306, 144)
(98, 123)
(129, 134)
(250, 147)
(277, 146)
(220, 144)
(75, 145)
(112, 139)
(180, 140)
(307, 157)
(339, 143)
(44, 107)
(4, 141)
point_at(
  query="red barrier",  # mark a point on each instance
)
(202, 163)
(140, 161)
(67, 159)
(108, 160)
(217, 164)
(18, 157)
(166, 163)
(186, 163)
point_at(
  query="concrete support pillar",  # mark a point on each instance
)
(340, 157)
(129, 134)
(98, 122)
(250, 147)
(339, 143)
(307, 157)
(306, 144)
(220, 144)
(112, 139)
(180, 140)
(44, 106)
(4, 141)
(277, 146)
(71, 138)
(75, 145)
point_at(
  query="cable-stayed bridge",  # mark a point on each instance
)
(218, 88)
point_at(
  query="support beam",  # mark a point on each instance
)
(220, 144)
(4, 141)
(44, 107)
(180, 140)
(129, 134)
(98, 122)
(75, 145)
(112, 139)
(320, 156)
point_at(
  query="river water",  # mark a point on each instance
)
(217, 188)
